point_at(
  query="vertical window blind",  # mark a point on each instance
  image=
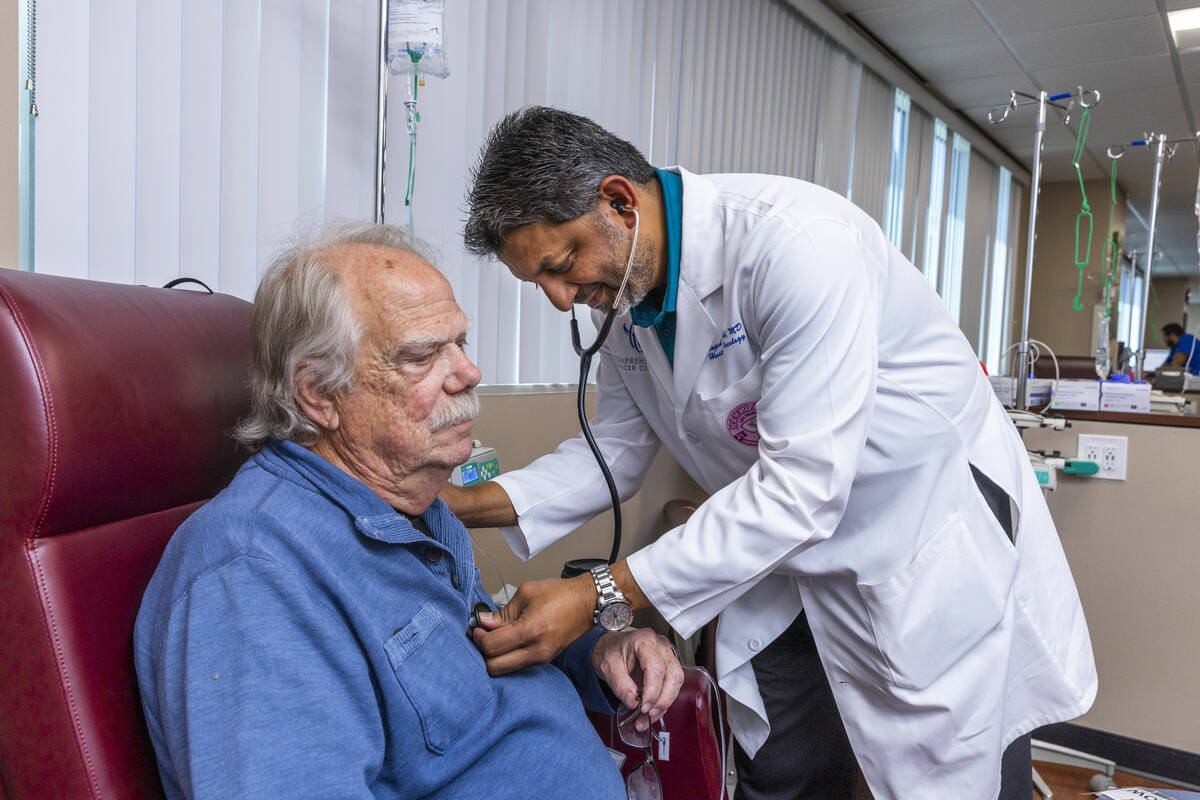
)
(190, 139)
(950, 279)
(997, 277)
(893, 215)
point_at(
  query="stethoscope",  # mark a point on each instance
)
(578, 566)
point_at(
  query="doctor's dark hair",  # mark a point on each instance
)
(542, 164)
(1172, 328)
(303, 328)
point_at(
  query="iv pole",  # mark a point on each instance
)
(995, 117)
(381, 112)
(1161, 153)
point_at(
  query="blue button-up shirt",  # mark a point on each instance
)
(300, 638)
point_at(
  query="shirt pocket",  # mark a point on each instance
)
(442, 675)
(932, 614)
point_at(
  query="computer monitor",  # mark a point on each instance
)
(1155, 358)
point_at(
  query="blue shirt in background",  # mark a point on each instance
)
(300, 638)
(658, 309)
(1187, 344)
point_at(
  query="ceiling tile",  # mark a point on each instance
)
(1190, 62)
(916, 25)
(1143, 72)
(1014, 17)
(853, 6)
(1011, 139)
(1140, 111)
(984, 89)
(1083, 44)
(1017, 121)
(940, 63)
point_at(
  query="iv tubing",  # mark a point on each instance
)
(1085, 211)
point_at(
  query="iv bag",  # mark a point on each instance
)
(416, 38)
(1103, 361)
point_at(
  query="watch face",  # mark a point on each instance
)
(616, 616)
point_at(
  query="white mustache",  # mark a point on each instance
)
(461, 407)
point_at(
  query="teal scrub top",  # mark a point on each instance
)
(658, 309)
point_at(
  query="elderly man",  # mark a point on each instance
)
(306, 633)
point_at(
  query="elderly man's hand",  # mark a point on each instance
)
(626, 659)
(538, 624)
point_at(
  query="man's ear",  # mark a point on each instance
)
(320, 409)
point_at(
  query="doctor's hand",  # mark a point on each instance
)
(640, 667)
(538, 624)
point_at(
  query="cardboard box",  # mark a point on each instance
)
(1131, 398)
(1037, 391)
(1077, 395)
(1005, 389)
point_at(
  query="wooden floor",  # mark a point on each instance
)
(1066, 783)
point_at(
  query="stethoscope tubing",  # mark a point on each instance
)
(585, 366)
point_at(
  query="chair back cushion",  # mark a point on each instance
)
(115, 406)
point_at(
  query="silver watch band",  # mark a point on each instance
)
(606, 588)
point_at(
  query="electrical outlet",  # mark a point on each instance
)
(1110, 452)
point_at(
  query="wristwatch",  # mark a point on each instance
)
(613, 612)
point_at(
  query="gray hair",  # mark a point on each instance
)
(542, 164)
(303, 329)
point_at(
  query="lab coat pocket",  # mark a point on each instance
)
(930, 616)
(442, 675)
(734, 409)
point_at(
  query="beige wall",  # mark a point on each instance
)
(1051, 316)
(524, 426)
(9, 98)
(1134, 548)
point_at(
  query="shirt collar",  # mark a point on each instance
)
(652, 310)
(371, 513)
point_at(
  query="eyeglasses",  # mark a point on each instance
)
(643, 783)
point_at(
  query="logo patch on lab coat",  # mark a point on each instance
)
(742, 424)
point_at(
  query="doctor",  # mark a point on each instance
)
(875, 542)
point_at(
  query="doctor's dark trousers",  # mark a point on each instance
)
(807, 755)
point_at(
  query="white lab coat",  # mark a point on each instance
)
(829, 403)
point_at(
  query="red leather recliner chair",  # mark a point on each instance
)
(114, 405)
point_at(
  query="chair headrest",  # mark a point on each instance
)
(115, 400)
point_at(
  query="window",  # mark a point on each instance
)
(997, 302)
(956, 217)
(933, 216)
(893, 215)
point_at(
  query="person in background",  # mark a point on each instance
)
(306, 633)
(1184, 348)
